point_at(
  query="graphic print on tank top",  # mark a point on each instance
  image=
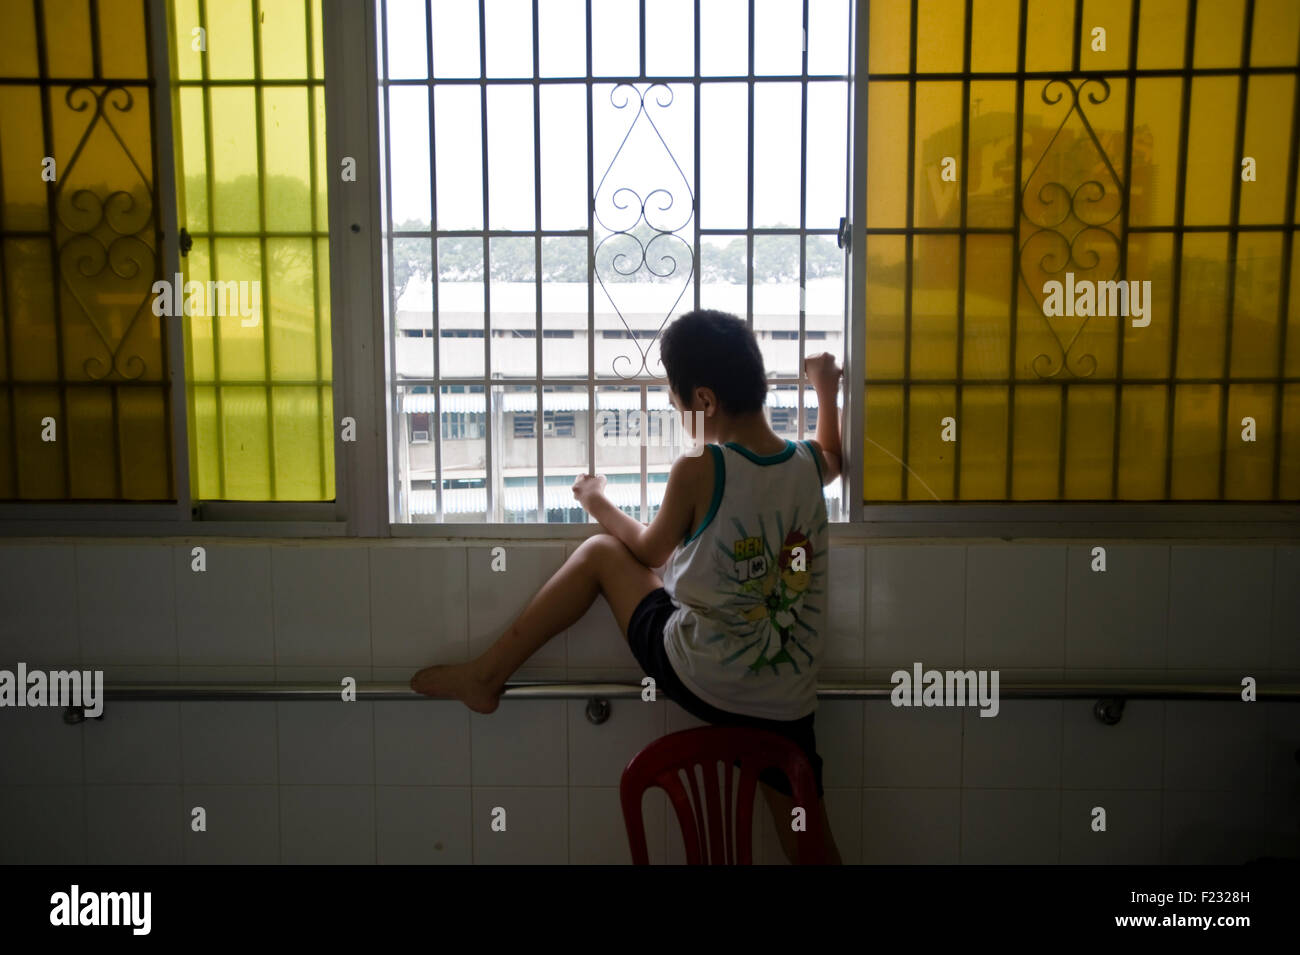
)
(774, 592)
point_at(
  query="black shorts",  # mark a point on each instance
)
(645, 636)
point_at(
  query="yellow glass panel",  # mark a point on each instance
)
(1146, 348)
(1162, 34)
(8, 461)
(1089, 437)
(1049, 36)
(1268, 141)
(92, 438)
(229, 39)
(317, 43)
(205, 437)
(985, 333)
(938, 138)
(233, 163)
(192, 161)
(18, 44)
(200, 344)
(123, 39)
(69, 47)
(934, 307)
(40, 463)
(940, 31)
(1248, 470)
(1196, 442)
(187, 61)
(1291, 366)
(1112, 16)
(1153, 195)
(144, 429)
(260, 397)
(33, 338)
(292, 313)
(885, 314)
(1289, 473)
(990, 199)
(298, 444)
(82, 348)
(931, 461)
(1255, 304)
(1273, 41)
(241, 346)
(886, 154)
(1042, 342)
(287, 158)
(325, 423)
(245, 420)
(882, 446)
(26, 205)
(1203, 306)
(888, 30)
(983, 437)
(283, 27)
(1037, 435)
(1143, 413)
(322, 170)
(994, 25)
(1218, 33)
(1211, 165)
(323, 343)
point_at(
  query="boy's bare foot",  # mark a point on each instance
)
(457, 681)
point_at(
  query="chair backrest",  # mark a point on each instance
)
(713, 833)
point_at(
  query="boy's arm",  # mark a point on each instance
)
(652, 544)
(825, 378)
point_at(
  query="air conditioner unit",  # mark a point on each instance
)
(419, 437)
(548, 426)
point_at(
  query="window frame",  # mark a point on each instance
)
(363, 506)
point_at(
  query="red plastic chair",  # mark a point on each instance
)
(729, 832)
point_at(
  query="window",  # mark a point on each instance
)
(249, 117)
(90, 313)
(979, 385)
(85, 377)
(510, 219)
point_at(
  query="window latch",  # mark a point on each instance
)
(186, 243)
(842, 236)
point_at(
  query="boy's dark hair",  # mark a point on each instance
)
(715, 350)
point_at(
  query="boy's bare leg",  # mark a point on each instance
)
(781, 805)
(602, 565)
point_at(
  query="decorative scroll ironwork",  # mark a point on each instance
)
(658, 249)
(1073, 225)
(108, 269)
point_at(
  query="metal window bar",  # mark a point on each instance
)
(576, 689)
(591, 381)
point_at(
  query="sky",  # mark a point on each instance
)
(644, 163)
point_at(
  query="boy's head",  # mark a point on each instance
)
(710, 349)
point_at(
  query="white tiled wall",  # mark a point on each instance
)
(424, 781)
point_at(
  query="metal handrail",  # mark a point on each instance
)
(574, 690)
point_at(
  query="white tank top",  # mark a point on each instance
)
(750, 586)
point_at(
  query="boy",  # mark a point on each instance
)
(733, 630)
